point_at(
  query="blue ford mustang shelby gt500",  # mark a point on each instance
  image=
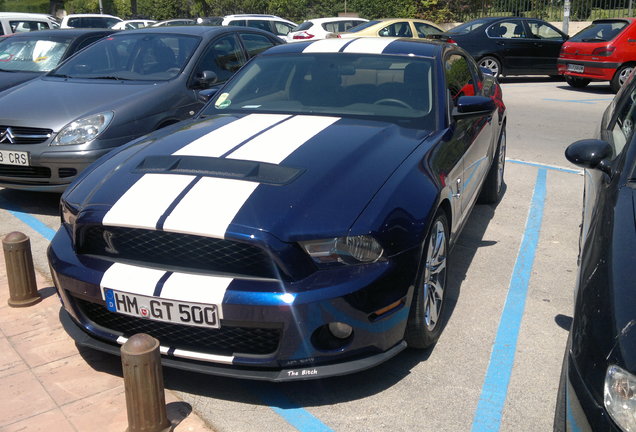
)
(299, 226)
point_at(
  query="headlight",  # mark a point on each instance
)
(68, 214)
(83, 130)
(620, 397)
(345, 250)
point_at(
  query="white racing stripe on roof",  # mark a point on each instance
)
(370, 45)
(196, 288)
(130, 279)
(144, 203)
(221, 140)
(212, 204)
(326, 46)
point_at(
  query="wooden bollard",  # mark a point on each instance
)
(143, 382)
(23, 290)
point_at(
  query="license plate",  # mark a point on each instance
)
(10, 157)
(158, 309)
(575, 68)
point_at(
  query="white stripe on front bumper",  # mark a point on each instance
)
(192, 355)
(131, 279)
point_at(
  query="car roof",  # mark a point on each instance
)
(23, 15)
(334, 19)
(64, 31)
(193, 30)
(406, 46)
(90, 16)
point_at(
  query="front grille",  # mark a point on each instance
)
(67, 172)
(23, 135)
(24, 171)
(225, 340)
(175, 250)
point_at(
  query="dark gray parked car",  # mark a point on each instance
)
(120, 88)
(24, 56)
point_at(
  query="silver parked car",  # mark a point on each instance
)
(120, 88)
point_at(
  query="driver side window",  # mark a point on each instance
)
(623, 129)
(459, 79)
(223, 57)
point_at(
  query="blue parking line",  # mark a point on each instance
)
(495, 388)
(33, 222)
(298, 417)
(548, 167)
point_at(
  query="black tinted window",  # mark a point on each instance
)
(255, 44)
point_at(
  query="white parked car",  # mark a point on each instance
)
(322, 28)
(133, 24)
(89, 21)
(17, 22)
(271, 23)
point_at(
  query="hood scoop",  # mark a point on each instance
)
(260, 172)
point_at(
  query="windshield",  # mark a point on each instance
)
(32, 54)
(132, 56)
(600, 31)
(468, 27)
(398, 89)
(362, 26)
(92, 22)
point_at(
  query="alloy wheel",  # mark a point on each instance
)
(435, 276)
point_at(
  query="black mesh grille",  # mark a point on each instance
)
(175, 250)
(23, 135)
(67, 172)
(225, 340)
(24, 171)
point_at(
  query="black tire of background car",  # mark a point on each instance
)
(576, 82)
(417, 334)
(620, 76)
(494, 64)
(492, 189)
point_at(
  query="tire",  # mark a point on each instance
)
(576, 82)
(620, 76)
(425, 317)
(492, 189)
(560, 415)
(493, 64)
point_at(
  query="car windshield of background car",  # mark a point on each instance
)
(397, 89)
(131, 56)
(32, 55)
(468, 27)
(362, 26)
(603, 31)
(92, 22)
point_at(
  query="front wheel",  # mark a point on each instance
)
(620, 77)
(576, 82)
(425, 317)
(493, 185)
(493, 64)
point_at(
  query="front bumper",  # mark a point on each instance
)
(596, 70)
(351, 294)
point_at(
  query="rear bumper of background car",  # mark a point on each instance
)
(373, 300)
(596, 70)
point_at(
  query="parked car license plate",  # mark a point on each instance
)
(159, 309)
(575, 68)
(10, 157)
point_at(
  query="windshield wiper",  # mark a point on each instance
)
(109, 77)
(60, 75)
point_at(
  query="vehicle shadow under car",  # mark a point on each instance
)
(328, 390)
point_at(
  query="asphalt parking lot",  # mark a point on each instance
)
(497, 363)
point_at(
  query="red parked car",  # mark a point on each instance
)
(604, 51)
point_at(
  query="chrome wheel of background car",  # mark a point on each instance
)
(491, 63)
(425, 317)
(435, 275)
(576, 82)
(620, 76)
(492, 189)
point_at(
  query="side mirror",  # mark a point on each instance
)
(206, 79)
(473, 106)
(590, 154)
(206, 94)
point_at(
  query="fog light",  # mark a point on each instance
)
(340, 330)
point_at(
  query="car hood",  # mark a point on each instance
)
(11, 79)
(295, 177)
(66, 100)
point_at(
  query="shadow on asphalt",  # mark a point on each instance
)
(39, 203)
(329, 390)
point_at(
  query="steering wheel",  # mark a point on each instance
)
(389, 101)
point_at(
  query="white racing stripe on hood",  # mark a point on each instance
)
(222, 140)
(369, 45)
(144, 203)
(326, 46)
(131, 279)
(212, 204)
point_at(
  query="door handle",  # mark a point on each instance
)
(458, 186)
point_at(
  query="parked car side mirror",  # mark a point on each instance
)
(207, 94)
(473, 106)
(590, 154)
(205, 79)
